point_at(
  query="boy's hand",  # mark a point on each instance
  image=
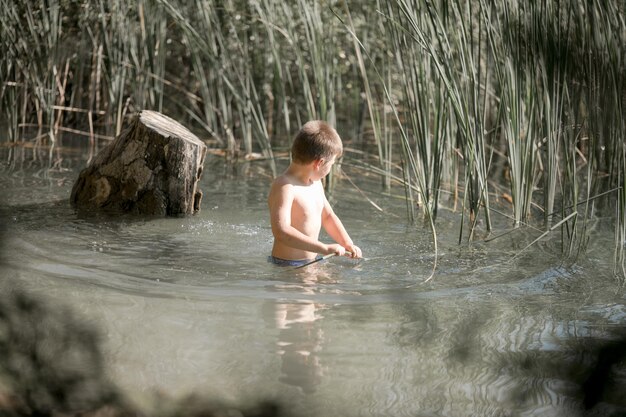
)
(336, 249)
(355, 251)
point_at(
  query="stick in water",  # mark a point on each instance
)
(323, 258)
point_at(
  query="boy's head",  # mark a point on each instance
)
(316, 140)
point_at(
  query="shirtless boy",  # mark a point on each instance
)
(298, 206)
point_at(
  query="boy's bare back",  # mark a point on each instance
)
(306, 202)
(298, 206)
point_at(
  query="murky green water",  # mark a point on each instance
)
(191, 305)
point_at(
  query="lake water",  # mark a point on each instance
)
(191, 305)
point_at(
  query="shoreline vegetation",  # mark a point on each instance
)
(456, 102)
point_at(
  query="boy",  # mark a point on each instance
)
(298, 206)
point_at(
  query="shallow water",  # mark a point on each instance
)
(191, 305)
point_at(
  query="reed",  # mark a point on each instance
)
(571, 91)
(456, 101)
(9, 99)
(32, 38)
(546, 98)
(437, 99)
(376, 110)
(620, 223)
(445, 94)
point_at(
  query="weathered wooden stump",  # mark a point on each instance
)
(152, 167)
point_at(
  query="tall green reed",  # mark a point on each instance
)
(569, 67)
(427, 108)
(445, 35)
(9, 99)
(148, 55)
(115, 38)
(446, 88)
(523, 65)
(32, 33)
(222, 46)
(310, 57)
(620, 223)
(375, 109)
(129, 44)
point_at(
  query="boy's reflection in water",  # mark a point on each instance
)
(300, 335)
(299, 342)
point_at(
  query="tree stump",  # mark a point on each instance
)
(152, 168)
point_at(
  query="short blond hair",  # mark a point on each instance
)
(316, 140)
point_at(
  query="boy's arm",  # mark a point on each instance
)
(335, 230)
(280, 201)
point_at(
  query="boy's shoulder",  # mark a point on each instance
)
(283, 179)
(286, 181)
(281, 185)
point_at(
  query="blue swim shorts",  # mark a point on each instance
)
(290, 262)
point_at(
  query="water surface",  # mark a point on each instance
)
(191, 305)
